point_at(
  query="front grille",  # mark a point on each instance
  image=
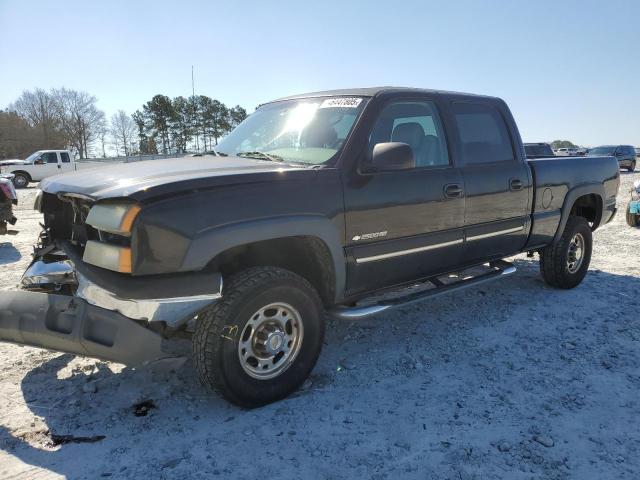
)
(64, 219)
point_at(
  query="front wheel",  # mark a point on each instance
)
(632, 167)
(260, 342)
(20, 180)
(565, 263)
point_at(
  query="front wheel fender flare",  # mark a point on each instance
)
(211, 242)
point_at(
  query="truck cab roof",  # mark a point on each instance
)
(376, 91)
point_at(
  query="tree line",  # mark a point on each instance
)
(66, 118)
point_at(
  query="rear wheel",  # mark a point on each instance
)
(565, 263)
(261, 341)
(20, 180)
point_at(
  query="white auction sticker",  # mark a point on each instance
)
(341, 102)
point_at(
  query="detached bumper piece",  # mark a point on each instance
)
(69, 324)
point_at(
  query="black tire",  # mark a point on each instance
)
(21, 180)
(555, 259)
(219, 331)
(632, 167)
(633, 219)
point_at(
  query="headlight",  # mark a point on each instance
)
(111, 257)
(116, 219)
(113, 217)
(37, 204)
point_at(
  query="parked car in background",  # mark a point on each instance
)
(315, 203)
(625, 154)
(40, 165)
(538, 150)
(581, 152)
(637, 152)
(566, 152)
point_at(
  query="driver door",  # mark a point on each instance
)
(46, 165)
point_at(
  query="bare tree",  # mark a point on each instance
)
(40, 110)
(123, 130)
(80, 118)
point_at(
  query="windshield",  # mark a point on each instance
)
(307, 131)
(33, 156)
(601, 151)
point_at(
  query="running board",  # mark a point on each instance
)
(499, 269)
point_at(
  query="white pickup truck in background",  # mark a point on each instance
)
(42, 164)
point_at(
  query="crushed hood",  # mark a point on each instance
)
(141, 180)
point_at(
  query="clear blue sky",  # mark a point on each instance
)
(568, 69)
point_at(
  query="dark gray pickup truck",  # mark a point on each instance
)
(325, 203)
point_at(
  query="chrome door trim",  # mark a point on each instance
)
(496, 233)
(409, 251)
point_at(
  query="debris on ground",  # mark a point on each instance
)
(141, 409)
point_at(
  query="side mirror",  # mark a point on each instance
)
(39, 161)
(392, 156)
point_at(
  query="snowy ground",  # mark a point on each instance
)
(509, 380)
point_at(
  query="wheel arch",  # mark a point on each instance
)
(584, 201)
(307, 245)
(23, 172)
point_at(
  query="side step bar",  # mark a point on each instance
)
(498, 269)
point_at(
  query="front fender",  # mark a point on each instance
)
(212, 242)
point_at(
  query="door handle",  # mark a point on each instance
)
(515, 184)
(453, 190)
(59, 166)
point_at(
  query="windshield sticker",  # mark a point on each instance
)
(341, 102)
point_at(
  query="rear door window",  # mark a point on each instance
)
(65, 157)
(483, 133)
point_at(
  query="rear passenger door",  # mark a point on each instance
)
(497, 180)
(404, 224)
(65, 162)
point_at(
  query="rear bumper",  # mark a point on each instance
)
(103, 314)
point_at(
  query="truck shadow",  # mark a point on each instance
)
(8, 253)
(183, 413)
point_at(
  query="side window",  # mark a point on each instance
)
(416, 124)
(65, 157)
(50, 157)
(484, 136)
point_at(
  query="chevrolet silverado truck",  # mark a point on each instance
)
(346, 203)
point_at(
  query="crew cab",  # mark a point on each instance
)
(40, 165)
(346, 203)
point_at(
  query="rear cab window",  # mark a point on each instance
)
(65, 157)
(483, 133)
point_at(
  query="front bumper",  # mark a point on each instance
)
(68, 324)
(101, 314)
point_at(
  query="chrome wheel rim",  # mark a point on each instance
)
(270, 341)
(576, 253)
(20, 181)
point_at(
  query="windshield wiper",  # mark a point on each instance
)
(272, 158)
(261, 156)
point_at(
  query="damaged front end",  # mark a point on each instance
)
(64, 303)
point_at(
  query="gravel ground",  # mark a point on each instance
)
(508, 380)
